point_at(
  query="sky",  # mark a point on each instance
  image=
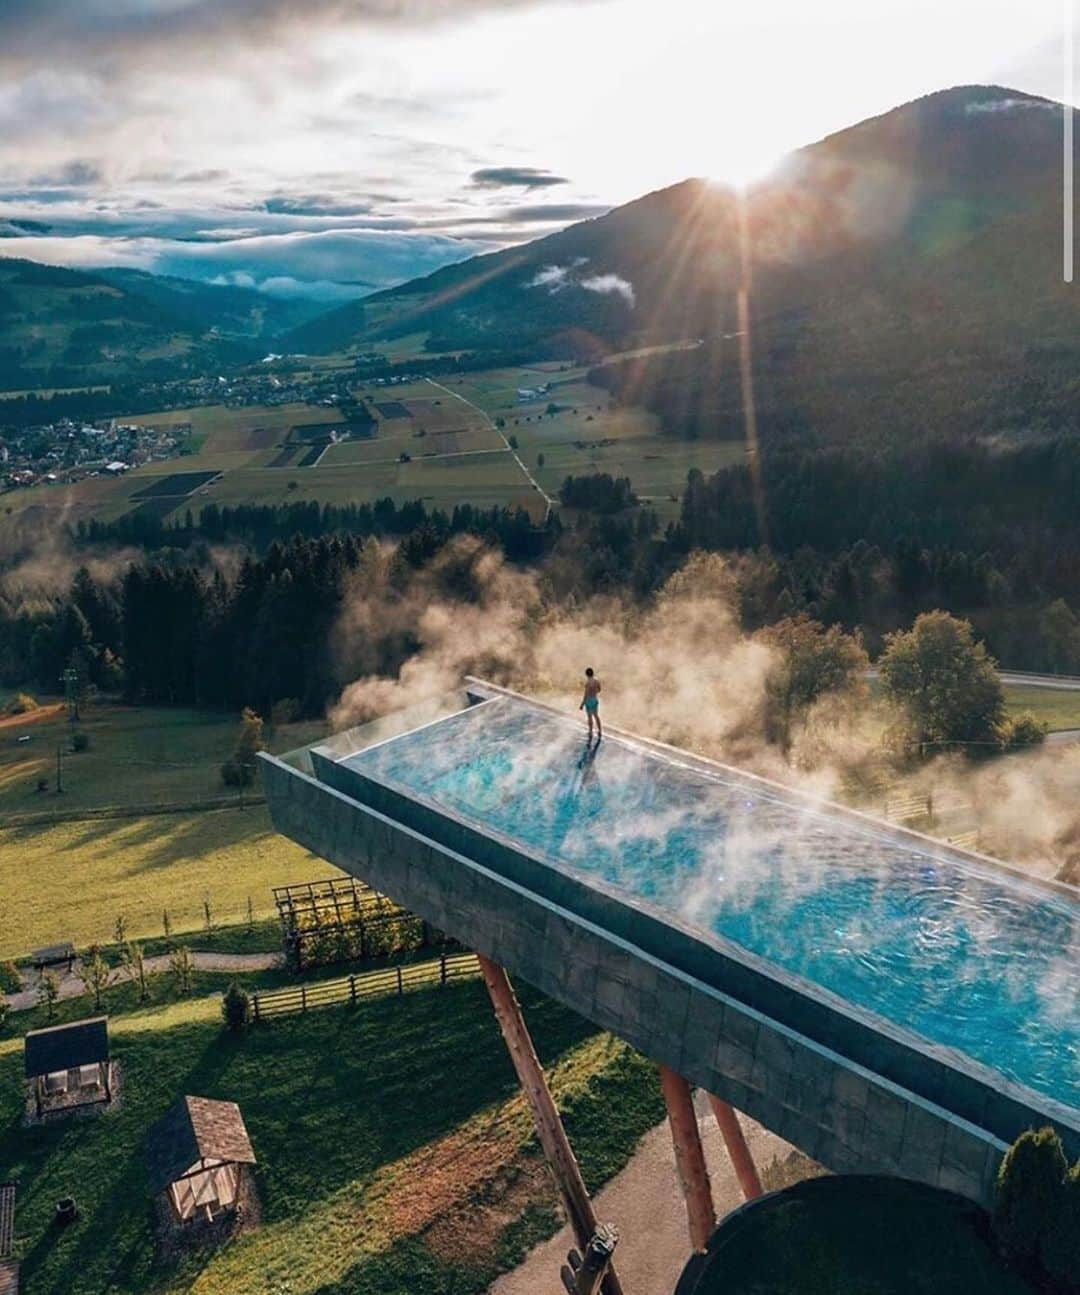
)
(326, 147)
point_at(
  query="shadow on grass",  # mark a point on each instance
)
(328, 1098)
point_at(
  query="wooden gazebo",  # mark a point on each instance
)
(197, 1155)
(68, 1066)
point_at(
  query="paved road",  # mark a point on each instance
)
(1060, 682)
(645, 1204)
(1063, 682)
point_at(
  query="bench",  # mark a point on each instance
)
(53, 955)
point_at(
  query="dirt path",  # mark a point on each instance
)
(645, 1204)
(71, 986)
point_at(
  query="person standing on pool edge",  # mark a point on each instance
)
(590, 704)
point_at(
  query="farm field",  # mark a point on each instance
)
(588, 434)
(374, 1173)
(244, 455)
(252, 427)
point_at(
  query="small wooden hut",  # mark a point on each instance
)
(197, 1155)
(68, 1066)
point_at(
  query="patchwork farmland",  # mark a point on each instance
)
(469, 439)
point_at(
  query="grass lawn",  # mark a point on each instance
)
(1057, 708)
(70, 881)
(395, 1155)
(441, 483)
(138, 755)
(874, 1237)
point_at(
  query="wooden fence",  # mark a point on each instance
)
(911, 807)
(432, 972)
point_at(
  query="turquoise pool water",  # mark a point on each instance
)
(961, 954)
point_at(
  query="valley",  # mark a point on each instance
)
(444, 440)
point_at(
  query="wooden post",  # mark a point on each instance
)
(689, 1157)
(735, 1141)
(549, 1127)
(583, 1275)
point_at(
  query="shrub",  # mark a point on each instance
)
(80, 741)
(1060, 1249)
(21, 704)
(239, 769)
(48, 992)
(10, 980)
(4, 1007)
(235, 1008)
(1029, 1183)
(1021, 732)
(182, 967)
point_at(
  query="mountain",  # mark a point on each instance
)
(231, 311)
(906, 278)
(61, 327)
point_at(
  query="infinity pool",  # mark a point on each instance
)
(958, 952)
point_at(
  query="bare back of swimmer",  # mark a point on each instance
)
(590, 704)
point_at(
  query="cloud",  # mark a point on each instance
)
(610, 284)
(317, 204)
(77, 173)
(22, 228)
(328, 265)
(564, 212)
(1011, 105)
(514, 177)
(553, 277)
(557, 278)
(52, 30)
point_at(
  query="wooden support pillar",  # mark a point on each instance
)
(549, 1127)
(735, 1141)
(689, 1157)
(584, 1275)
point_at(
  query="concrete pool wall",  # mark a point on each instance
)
(839, 1083)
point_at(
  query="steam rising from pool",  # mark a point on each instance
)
(679, 669)
(962, 955)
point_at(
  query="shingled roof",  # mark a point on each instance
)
(196, 1128)
(62, 1047)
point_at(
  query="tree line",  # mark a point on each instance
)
(859, 542)
(257, 526)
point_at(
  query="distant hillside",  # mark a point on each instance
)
(232, 311)
(63, 327)
(906, 280)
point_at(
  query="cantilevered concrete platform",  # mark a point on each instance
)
(856, 1090)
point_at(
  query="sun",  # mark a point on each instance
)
(745, 167)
